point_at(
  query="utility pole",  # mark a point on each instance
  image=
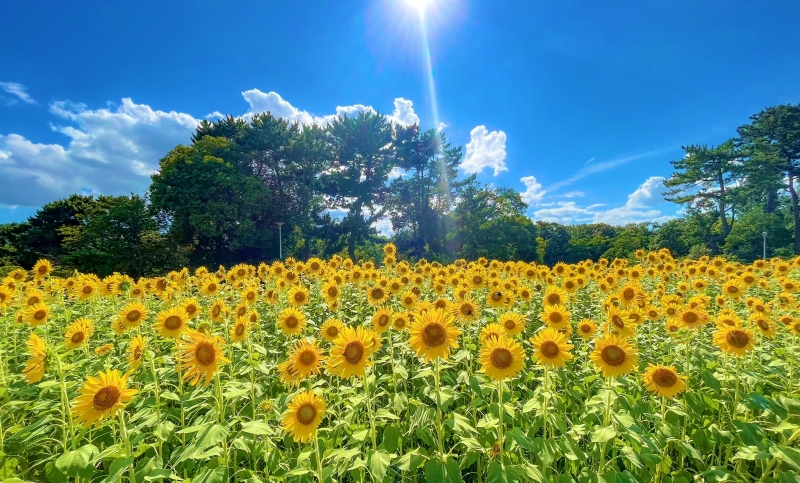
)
(764, 254)
(280, 240)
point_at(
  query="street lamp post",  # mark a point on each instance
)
(280, 240)
(764, 253)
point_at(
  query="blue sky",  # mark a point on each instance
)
(579, 105)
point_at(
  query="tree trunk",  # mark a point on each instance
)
(795, 214)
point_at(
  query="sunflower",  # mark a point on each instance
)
(734, 340)
(495, 298)
(131, 316)
(377, 295)
(400, 321)
(101, 397)
(350, 353)
(728, 318)
(291, 321)
(465, 310)
(5, 296)
(614, 356)
(555, 316)
(382, 319)
(764, 324)
(303, 416)
(692, 318)
(191, 307)
(34, 297)
(239, 329)
(631, 294)
(551, 347)
(512, 322)
(42, 269)
(218, 310)
(408, 300)
(620, 323)
(587, 328)
(298, 296)
(501, 358)
(37, 314)
(35, 365)
(250, 294)
(288, 375)
(136, 349)
(209, 287)
(104, 349)
(491, 331)
(330, 291)
(331, 328)
(86, 289)
(172, 321)
(432, 334)
(733, 289)
(200, 356)
(306, 358)
(663, 380)
(78, 333)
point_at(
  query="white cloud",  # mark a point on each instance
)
(485, 150)
(533, 193)
(110, 152)
(384, 226)
(214, 115)
(404, 112)
(638, 209)
(441, 126)
(279, 107)
(18, 91)
(396, 173)
(573, 194)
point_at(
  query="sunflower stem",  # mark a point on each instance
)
(369, 411)
(546, 401)
(319, 459)
(128, 451)
(65, 401)
(436, 377)
(500, 411)
(156, 390)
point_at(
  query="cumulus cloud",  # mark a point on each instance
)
(485, 149)
(404, 113)
(279, 107)
(638, 209)
(533, 193)
(110, 151)
(18, 91)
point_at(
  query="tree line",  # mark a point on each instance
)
(220, 199)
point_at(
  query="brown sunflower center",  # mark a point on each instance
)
(306, 414)
(299, 297)
(555, 317)
(501, 358)
(763, 324)
(239, 329)
(216, 310)
(377, 293)
(690, 318)
(333, 291)
(77, 337)
(40, 315)
(137, 353)
(332, 331)
(190, 309)
(732, 289)
(434, 335)
(42, 270)
(133, 315)
(510, 324)
(466, 309)
(664, 377)
(617, 321)
(383, 320)
(353, 352)
(87, 290)
(628, 294)
(586, 328)
(550, 349)
(728, 322)
(400, 322)
(291, 322)
(173, 322)
(307, 358)
(613, 355)
(497, 296)
(737, 338)
(33, 300)
(205, 353)
(553, 299)
(106, 397)
(212, 287)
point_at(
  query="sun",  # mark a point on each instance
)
(419, 4)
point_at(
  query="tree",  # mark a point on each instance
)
(9, 242)
(425, 192)
(704, 180)
(209, 204)
(364, 152)
(122, 236)
(772, 139)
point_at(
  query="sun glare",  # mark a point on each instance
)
(419, 4)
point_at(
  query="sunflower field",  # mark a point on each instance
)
(656, 369)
